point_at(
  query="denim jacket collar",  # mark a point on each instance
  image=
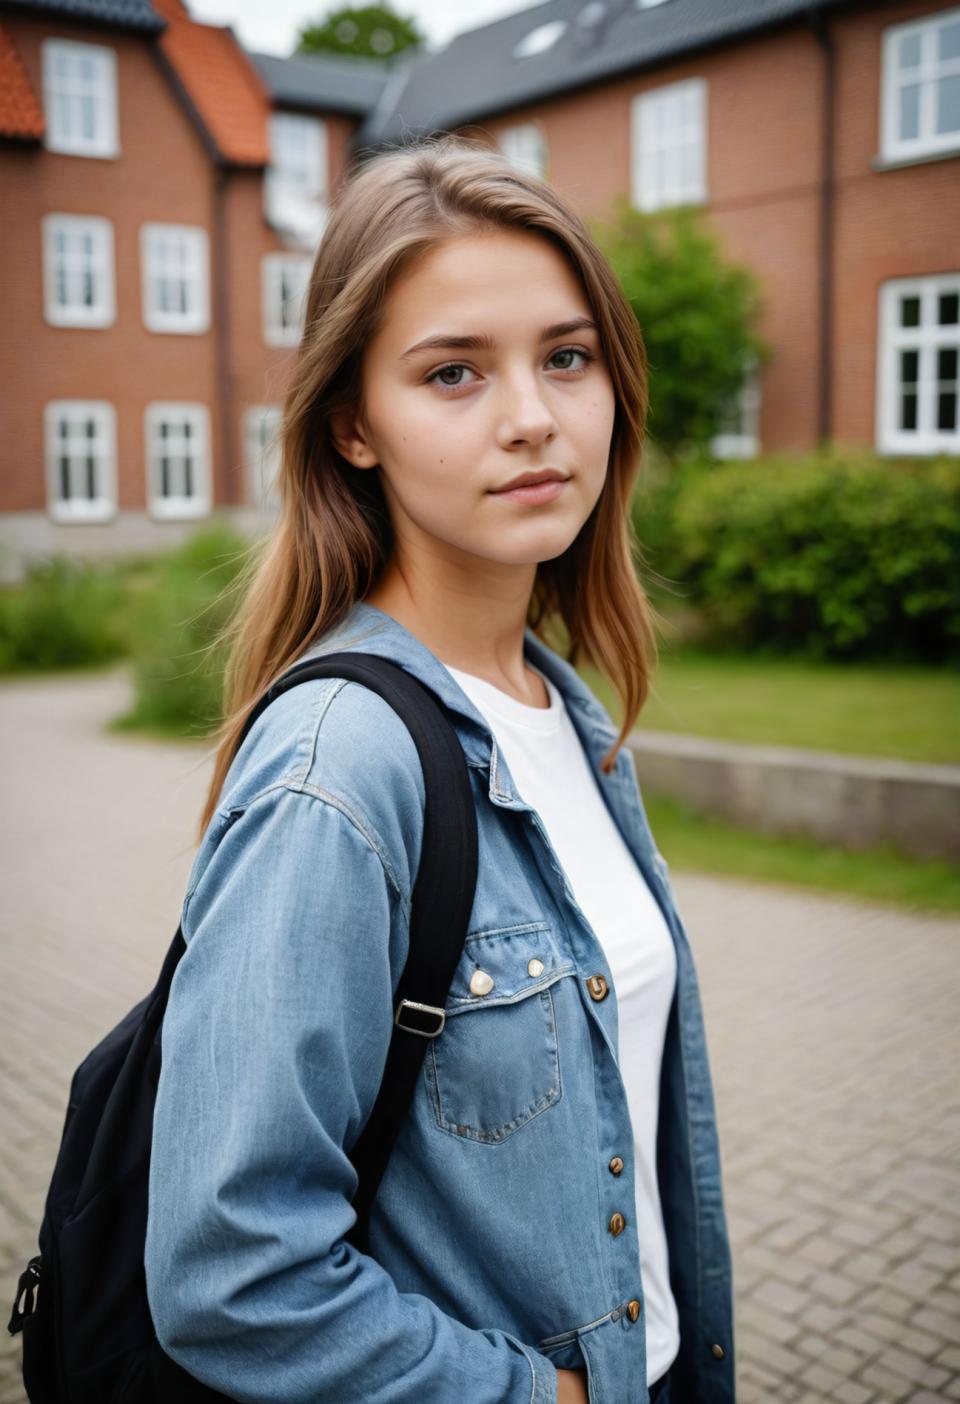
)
(368, 629)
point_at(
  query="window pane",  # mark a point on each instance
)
(948, 104)
(949, 309)
(908, 411)
(949, 40)
(909, 311)
(908, 51)
(947, 363)
(909, 111)
(947, 409)
(909, 366)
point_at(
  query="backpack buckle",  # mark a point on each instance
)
(425, 1008)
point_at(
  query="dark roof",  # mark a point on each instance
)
(478, 75)
(125, 14)
(324, 81)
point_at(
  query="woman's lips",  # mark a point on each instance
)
(535, 492)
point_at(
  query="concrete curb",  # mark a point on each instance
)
(853, 801)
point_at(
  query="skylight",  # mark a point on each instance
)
(539, 40)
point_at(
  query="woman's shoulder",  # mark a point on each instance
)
(338, 742)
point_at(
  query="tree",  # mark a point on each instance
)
(697, 313)
(362, 31)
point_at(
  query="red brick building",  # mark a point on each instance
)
(167, 190)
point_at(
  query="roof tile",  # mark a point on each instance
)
(222, 83)
(21, 115)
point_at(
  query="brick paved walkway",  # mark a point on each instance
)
(833, 1027)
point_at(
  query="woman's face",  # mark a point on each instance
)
(451, 422)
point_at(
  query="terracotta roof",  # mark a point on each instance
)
(221, 82)
(20, 113)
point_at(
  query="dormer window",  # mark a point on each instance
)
(539, 40)
(295, 186)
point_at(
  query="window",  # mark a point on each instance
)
(539, 40)
(261, 437)
(739, 433)
(178, 460)
(78, 282)
(669, 140)
(295, 184)
(920, 104)
(525, 147)
(81, 460)
(80, 98)
(285, 281)
(917, 379)
(176, 285)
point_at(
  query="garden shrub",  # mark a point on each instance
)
(177, 665)
(64, 613)
(832, 555)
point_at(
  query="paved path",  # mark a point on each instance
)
(833, 1030)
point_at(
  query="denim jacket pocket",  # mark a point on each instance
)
(496, 1064)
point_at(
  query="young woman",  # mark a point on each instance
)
(550, 1225)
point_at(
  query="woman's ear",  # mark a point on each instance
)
(349, 439)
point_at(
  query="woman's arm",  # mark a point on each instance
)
(273, 1045)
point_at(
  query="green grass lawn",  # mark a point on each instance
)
(903, 712)
(699, 843)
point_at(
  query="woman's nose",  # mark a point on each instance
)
(526, 413)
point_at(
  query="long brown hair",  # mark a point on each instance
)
(333, 534)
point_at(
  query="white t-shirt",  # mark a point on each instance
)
(552, 773)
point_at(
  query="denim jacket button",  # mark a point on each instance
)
(597, 986)
(615, 1166)
(633, 1309)
(534, 966)
(617, 1224)
(480, 982)
(718, 1352)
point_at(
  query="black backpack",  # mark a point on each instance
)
(88, 1337)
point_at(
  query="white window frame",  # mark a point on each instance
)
(177, 506)
(744, 440)
(102, 415)
(295, 192)
(262, 449)
(67, 94)
(74, 266)
(660, 129)
(281, 329)
(927, 339)
(928, 72)
(525, 147)
(161, 243)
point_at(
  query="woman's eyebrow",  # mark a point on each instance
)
(447, 341)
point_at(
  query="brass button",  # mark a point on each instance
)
(616, 1165)
(480, 982)
(718, 1352)
(617, 1224)
(633, 1309)
(534, 966)
(597, 986)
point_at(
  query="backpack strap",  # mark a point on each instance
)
(441, 903)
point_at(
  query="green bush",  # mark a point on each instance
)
(697, 312)
(62, 614)
(830, 556)
(177, 666)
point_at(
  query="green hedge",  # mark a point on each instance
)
(831, 556)
(177, 670)
(62, 614)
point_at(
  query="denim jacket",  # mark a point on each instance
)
(493, 1257)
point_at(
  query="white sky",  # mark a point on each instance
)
(272, 28)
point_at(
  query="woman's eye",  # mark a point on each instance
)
(454, 366)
